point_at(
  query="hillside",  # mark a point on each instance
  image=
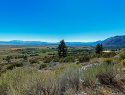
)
(115, 41)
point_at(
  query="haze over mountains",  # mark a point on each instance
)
(112, 41)
(19, 42)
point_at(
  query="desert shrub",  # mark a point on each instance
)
(67, 59)
(108, 55)
(69, 77)
(0, 68)
(107, 73)
(33, 61)
(34, 55)
(28, 81)
(122, 55)
(4, 69)
(61, 60)
(122, 62)
(33, 65)
(100, 72)
(98, 55)
(72, 65)
(48, 60)
(93, 56)
(108, 60)
(84, 58)
(43, 66)
(14, 65)
(27, 63)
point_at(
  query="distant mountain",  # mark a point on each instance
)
(19, 42)
(115, 41)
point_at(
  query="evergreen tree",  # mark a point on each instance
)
(62, 49)
(97, 48)
(101, 48)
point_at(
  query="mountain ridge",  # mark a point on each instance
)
(115, 41)
(107, 42)
(19, 42)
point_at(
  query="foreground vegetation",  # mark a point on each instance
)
(81, 72)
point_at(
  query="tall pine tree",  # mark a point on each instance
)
(62, 49)
(99, 48)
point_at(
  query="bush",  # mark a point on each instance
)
(34, 55)
(67, 59)
(103, 72)
(122, 62)
(33, 65)
(33, 61)
(43, 66)
(108, 60)
(14, 65)
(84, 58)
(0, 68)
(98, 55)
(108, 55)
(72, 65)
(122, 55)
(69, 77)
(48, 60)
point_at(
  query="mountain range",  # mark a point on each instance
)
(111, 41)
(19, 42)
(115, 41)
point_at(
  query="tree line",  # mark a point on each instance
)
(62, 49)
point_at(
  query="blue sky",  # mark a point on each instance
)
(54, 20)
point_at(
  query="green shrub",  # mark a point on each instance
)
(67, 59)
(33, 61)
(108, 55)
(43, 66)
(92, 73)
(14, 65)
(69, 76)
(0, 68)
(48, 60)
(108, 60)
(84, 58)
(98, 55)
(122, 55)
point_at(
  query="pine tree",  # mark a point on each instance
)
(62, 49)
(97, 48)
(101, 48)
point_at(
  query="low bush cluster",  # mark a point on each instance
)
(33, 61)
(108, 60)
(67, 59)
(108, 55)
(34, 55)
(29, 81)
(122, 55)
(48, 60)
(43, 66)
(10, 67)
(122, 62)
(84, 58)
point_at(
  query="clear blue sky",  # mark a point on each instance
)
(54, 20)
